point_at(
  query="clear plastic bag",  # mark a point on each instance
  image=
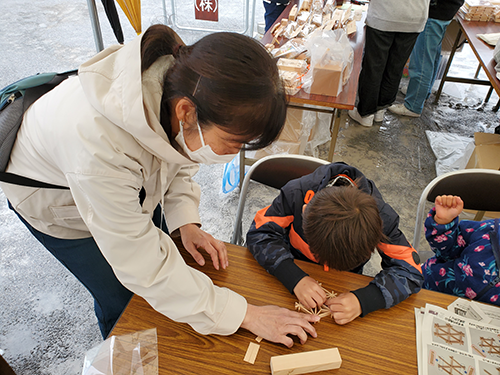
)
(132, 354)
(290, 49)
(452, 151)
(496, 57)
(330, 51)
(304, 131)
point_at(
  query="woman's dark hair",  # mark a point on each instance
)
(230, 78)
(342, 227)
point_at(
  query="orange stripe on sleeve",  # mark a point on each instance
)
(261, 219)
(400, 252)
(297, 242)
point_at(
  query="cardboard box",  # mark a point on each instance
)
(486, 154)
(327, 80)
(449, 38)
(292, 131)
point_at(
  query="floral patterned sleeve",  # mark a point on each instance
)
(445, 239)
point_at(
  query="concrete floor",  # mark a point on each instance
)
(46, 317)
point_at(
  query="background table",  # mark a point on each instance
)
(383, 342)
(483, 52)
(323, 103)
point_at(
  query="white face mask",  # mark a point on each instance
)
(205, 154)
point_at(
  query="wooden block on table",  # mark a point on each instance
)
(303, 18)
(292, 65)
(290, 79)
(305, 6)
(329, 25)
(306, 362)
(350, 27)
(293, 13)
(337, 15)
(347, 14)
(275, 27)
(358, 14)
(317, 19)
(251, 353)
(279, 31)
(297, 31)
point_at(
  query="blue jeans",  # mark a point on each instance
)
(424, 63)
(83, 259)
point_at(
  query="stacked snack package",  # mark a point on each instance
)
(477, 10)
(291, 47)
(290, 34)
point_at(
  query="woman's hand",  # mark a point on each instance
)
(274, 323)
(309, 293)
(345, 308)
(193, 238)
(448, 207)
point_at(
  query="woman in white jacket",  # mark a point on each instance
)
(126, 136)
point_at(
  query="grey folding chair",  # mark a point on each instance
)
(274, 171)
(478, 188)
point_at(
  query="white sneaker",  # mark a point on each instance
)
(365, 121)
(404, 89)
(379, 116)
(400, 109)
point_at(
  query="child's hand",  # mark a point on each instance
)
(345, 308)
(309, 293)
(448, 207)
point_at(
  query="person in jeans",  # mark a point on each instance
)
(426, 56)
(392, 27)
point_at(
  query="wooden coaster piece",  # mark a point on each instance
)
(251, 353)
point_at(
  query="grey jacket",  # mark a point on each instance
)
(406, 16)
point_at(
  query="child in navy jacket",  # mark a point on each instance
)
(467, 253)
(336, 217)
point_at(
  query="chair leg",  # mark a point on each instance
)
(477, 71)
(488, 95)
(495, 108)
(5, 369)
(479, 216)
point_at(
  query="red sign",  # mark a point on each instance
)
(207, 10)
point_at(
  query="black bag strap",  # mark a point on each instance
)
(30, 96)
(12, 178)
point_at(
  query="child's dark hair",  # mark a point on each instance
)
(231, 78)
(342, 226)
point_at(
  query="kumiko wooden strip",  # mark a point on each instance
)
(251, 353)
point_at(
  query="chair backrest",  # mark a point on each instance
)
(274, 171)
(478, 188)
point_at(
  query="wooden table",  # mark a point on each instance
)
(383, 342)
(483, 52)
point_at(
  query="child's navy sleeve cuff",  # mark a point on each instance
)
(289, 274)
(370, 298)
